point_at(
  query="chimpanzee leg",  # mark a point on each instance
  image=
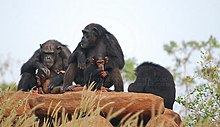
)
(115, 77)
(56, 81)
(69, 75)
(27, 82)
(136, 87)
(108, 83)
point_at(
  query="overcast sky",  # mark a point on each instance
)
(142, 27)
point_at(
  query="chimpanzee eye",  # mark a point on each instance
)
(100, 62)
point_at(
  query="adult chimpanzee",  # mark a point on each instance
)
(155, 79)
(96, 40)
(96, 71)
(50, 60)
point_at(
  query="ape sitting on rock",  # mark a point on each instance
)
(155, 79)
(96, 72)
(96, 40)
(50, 61)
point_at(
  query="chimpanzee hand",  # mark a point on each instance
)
(104, 74)
(45, 70)
(55, 81)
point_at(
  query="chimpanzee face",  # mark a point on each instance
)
(99, 61)
(49, 53)
(48, 59)
(90, 35)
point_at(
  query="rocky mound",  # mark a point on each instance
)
(150, 106)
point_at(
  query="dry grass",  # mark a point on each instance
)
(86, 115)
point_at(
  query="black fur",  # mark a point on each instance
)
(96, 40)
(155, 79)
(97, 72)
(57, 61)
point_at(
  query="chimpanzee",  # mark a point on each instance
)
(96, 71)
(50, 61)
(155, 79)
(96, 40)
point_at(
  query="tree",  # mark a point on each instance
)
(128, 72)
(183, 55)
(203, 101)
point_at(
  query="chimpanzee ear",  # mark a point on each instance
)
(59, 49)
(91, 61)
(96, 31)
(84, 31)
(106, 59)
(41, 46)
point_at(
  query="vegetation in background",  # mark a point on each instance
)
(5, 86)
(6, 67)
(184, 56)
(128, 72)
(202, 101)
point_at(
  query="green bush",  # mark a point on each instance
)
(8, 86)
(202, 85)
(203, 101)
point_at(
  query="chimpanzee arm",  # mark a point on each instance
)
(78, 56)
(65, 53)
(104, 74)
(32, 64)
(114, 52)
(56, 81)
(91, 73)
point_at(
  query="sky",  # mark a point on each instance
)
(142, 27)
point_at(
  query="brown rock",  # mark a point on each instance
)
(168, 119)
(133, 102)
(76, 88)
(161, 121)
(173, 116)
(96, 121)
(15, 100)
(129, 102)
(90, 121)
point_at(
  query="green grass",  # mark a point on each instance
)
(8, 86)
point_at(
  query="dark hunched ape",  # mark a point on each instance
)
(48, 62)
(155, 79)
(96, 40)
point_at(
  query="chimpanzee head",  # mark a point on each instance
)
(91, 33)
(49, 52)
(99, 61)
